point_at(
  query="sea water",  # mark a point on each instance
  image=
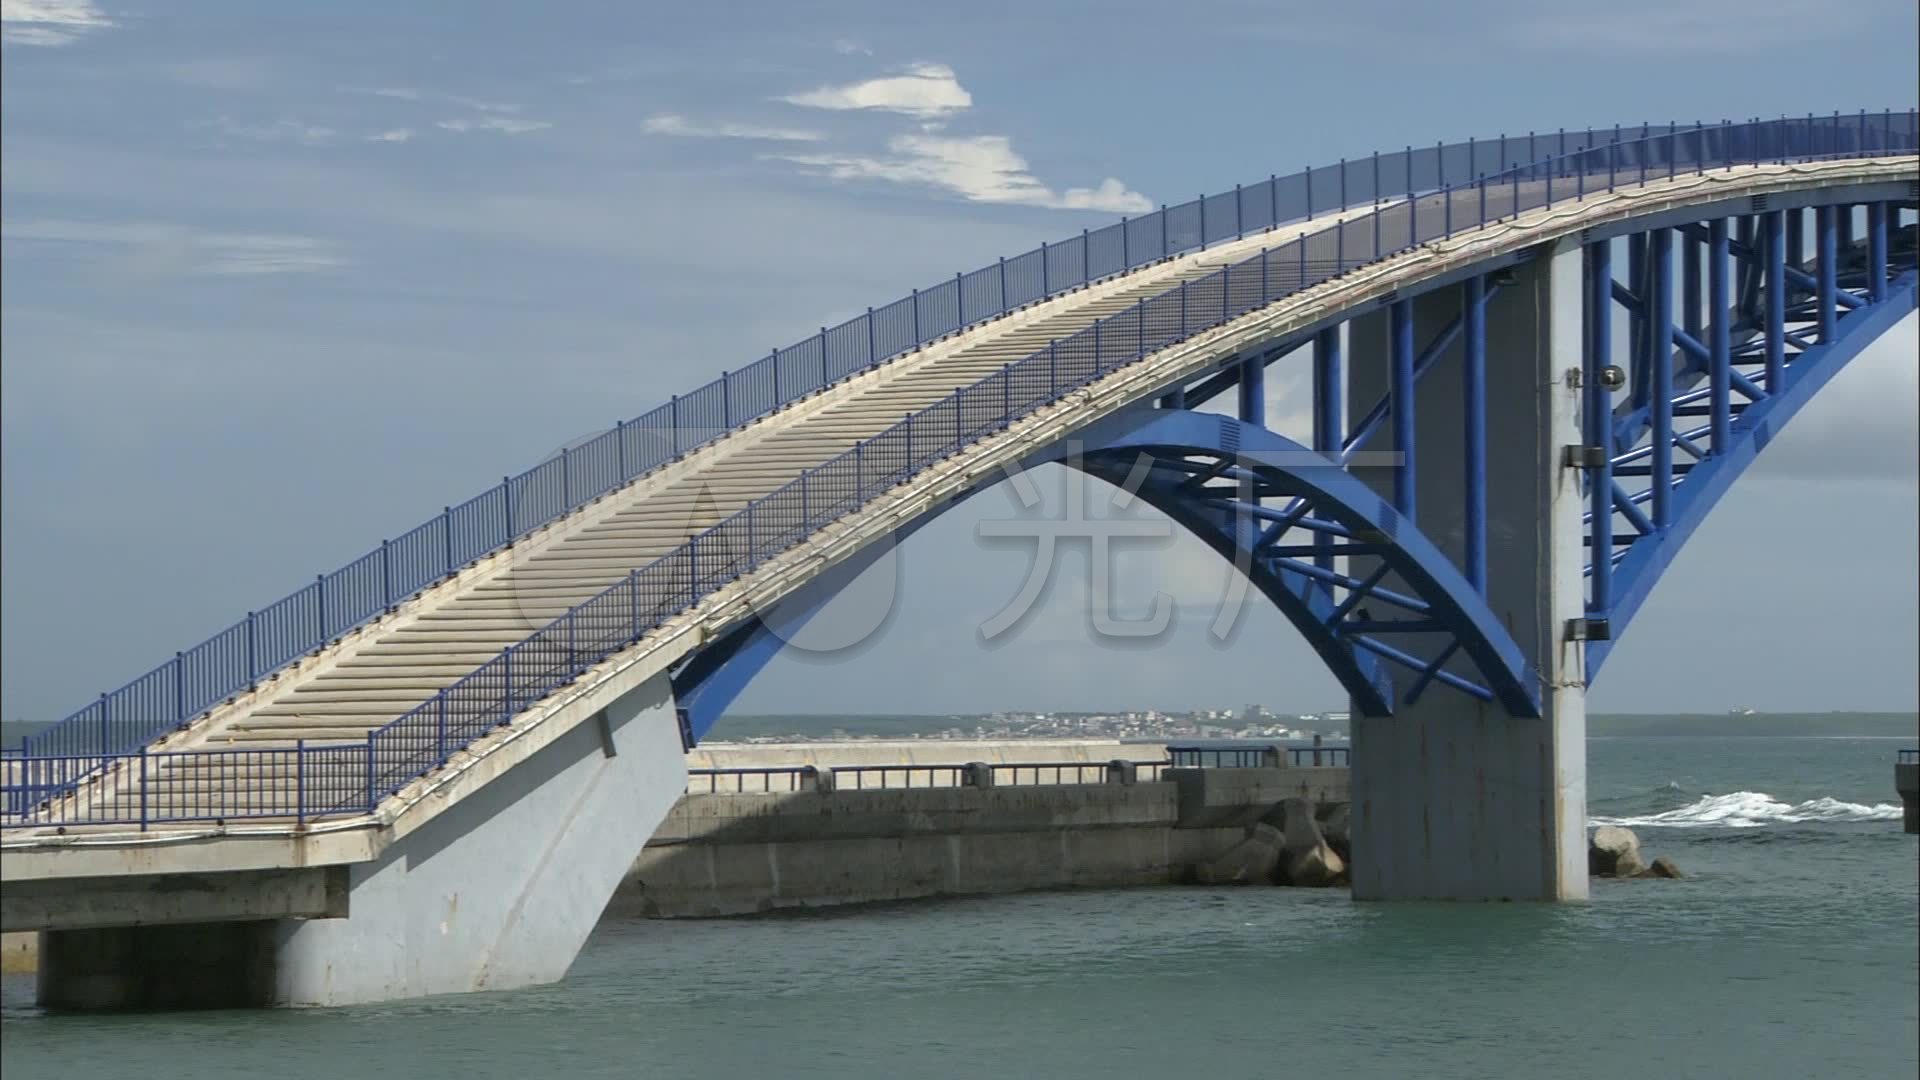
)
(1788, 951)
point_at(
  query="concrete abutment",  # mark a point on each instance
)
(497, 891)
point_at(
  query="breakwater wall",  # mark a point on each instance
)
(971, 829)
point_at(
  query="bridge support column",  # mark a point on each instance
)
(1453, 797)
(502, 888)
(497, 891)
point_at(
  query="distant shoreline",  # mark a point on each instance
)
(1886, 725)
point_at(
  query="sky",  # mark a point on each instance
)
(277, 280)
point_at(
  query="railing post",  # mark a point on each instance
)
(916, 336)
(440, 727)
(1126, 258)
(1183, 311)
(1273, 201)
(1006, 406)
(620, 435)
(1343, 183)
(386, 574)
(1239, 216)
(1265, 296)
(506, 497)
(1446, 211)
(873, 357)
(726, 414)
(446, 536)
(372, 802)
(1202, 203)
(253, 650)
(506, 667)
(1046, 289)
(320, 609)
(1053, 379)
(106, 724)
(1086, 260)
(673, 422)
(143, 788)
(959, 304)
(1098, 370)
(1003, 291)
(1163, 231)
(1307, 185)
(299, 783)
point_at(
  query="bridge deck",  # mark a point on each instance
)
(381, 675)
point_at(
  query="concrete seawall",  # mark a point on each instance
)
(732, 854)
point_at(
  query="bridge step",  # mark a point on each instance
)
(374, 678)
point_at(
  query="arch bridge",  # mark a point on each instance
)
(1536, 364)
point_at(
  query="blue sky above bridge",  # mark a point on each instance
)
(280, 280)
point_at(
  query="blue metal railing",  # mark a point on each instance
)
(423, 738)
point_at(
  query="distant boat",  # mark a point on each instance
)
(1739, 710)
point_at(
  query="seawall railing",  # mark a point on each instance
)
(101, 736)
(1265, 756)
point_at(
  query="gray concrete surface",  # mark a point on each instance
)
(1452, 797)
(731, 854)
(1906, 780)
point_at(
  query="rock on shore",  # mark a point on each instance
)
(1614, 852)
(1288, 846)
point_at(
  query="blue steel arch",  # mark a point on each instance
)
(1189, 454)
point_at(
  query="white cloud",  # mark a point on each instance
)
(505, 125)
(924, 90)
(396, 135)
(674, 124)
(850, 47)
(398, 93)
(177, 249)
(980, 168)
(282, 130)
(49, 22)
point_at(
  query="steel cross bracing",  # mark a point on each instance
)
(1680, 407)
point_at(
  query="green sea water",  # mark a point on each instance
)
(1789, 951)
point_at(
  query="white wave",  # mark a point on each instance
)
(1754, 809)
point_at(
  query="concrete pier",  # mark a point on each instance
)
(1906, 780)
(1455, 799)
(497, 891)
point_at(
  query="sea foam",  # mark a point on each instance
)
(1755, 809)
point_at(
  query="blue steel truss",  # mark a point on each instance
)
(1283, 514)
(1796, 324)
(1757, 336)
